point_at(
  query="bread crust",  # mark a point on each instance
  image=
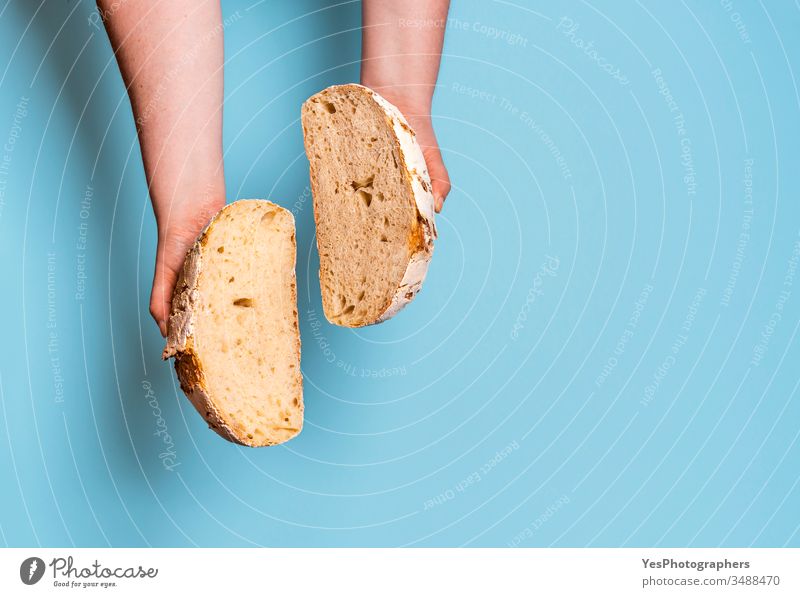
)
(418, 183)
(180, 339)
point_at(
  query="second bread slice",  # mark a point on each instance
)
(372, 204)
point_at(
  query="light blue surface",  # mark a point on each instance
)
(524, 398)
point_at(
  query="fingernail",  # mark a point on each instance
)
(163, 327)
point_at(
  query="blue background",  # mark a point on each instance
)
(640, 391)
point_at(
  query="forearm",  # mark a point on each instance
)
(171, 53)
(402, 47)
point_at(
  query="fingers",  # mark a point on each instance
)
(440, 179)
(161, 295)
(420, 121)
(169, 261)
(178, 228)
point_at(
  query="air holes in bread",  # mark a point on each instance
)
(364, 183)
(233, 325)
(365, 197)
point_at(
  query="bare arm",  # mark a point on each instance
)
(401, 51)
(170, 53)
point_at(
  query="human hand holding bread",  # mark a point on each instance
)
(175, 84)
(209, 316)
(401, 51)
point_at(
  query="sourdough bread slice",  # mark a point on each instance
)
(233, 325)
(373, 205)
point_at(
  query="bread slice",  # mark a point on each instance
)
(372, 204)
(233, 325)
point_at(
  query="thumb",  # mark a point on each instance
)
(440, 179)
(426, 137)
(164, 280)
(169, 259)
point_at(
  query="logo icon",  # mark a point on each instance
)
(31, 571)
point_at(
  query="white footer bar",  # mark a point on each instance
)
(406, 572)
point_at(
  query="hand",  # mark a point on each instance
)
(401, 62)
(421, 124)
(171, 56)
(417, 113)
(179, 224)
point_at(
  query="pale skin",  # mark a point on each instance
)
(400, 54)
(171, 56)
